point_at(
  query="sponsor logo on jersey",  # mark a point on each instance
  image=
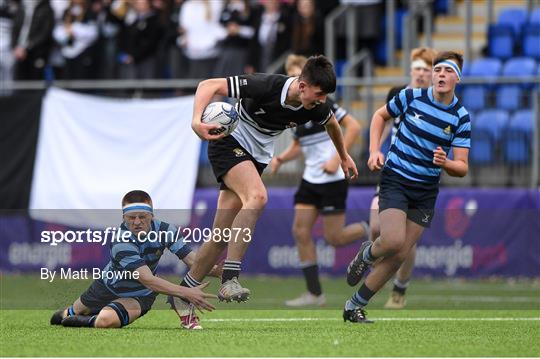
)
(448, 130)
(260, 112)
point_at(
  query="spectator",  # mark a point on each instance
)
(8, 8)
(238, 18)
(106, 47)
(272, 35)
(139, 42)
(31, 38)
(177, 60)
(307, 31)
(76, 35)
(201, 32)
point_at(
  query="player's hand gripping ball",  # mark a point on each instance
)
(223, 114)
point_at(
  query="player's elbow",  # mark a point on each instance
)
(213, 86)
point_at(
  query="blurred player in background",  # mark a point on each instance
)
(433, 122)
(268, 104)
(421, 62)
(113, 303)
(323, 190)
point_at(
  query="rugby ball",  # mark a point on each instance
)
(223, 114)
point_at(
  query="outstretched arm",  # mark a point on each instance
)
(216, 271)
(205, 91)
(194, 295)
(352, 129)
(293, 151)
(347, 164)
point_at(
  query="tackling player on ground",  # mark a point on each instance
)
(434, 121)
(267, 105)
(421, 62)
(323, 190)
(112, 303)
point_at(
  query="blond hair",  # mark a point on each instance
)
(427, 54)
(295, 60)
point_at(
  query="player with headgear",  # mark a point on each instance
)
(119, 299)
(421, 68)
(433, 123)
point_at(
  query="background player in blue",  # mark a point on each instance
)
(113, 303)
(434, 121)
(323, 190)
(421, 62)
(267, 105)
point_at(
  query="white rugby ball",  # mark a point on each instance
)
(223, 114)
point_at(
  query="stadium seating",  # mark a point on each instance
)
(517, 138)
(535, 16)
(501, 41)
(531, 41)
(515, 18)
(474, 96)
(488, 127)
(509, 97)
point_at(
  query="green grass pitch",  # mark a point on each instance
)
(442, 319)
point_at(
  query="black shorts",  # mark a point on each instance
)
(98, 296)
(417, 199)
(226, 153)
(328, 198)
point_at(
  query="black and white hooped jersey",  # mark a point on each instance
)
(319, 148)
(264, 113)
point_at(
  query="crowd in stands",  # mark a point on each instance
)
(141, 39)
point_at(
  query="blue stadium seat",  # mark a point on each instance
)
(509, 97)
(501, 41)
(487, 129)
(518, 137)
(531, 41)
(515, 17)
(474, 96)
(535, 16)
(441, 6)
(380, 50)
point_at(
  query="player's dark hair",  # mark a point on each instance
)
(449, 55)
(136, 196)
(318, 71)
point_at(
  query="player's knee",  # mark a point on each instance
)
(107, 319)
(256, 200)
(393, 245)
(333, 238)
(301, 234)
(114, 315)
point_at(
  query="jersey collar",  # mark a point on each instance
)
(284, 94)
(437, 103)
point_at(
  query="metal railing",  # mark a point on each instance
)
(361, 96)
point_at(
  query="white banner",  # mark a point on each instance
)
(92, 150)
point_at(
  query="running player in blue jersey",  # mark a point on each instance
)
(323, 190)
(117, 300)
(433, 122)
(421, 62)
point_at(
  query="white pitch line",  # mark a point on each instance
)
(427, 319)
